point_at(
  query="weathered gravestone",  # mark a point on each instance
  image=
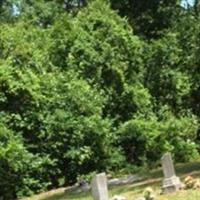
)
(171, 182)
(99, 187)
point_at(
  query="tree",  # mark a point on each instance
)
(197, 6)
(148, 18)
(6, 10)
(83, 91)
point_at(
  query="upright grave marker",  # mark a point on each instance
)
(99, 187)
(171, 182)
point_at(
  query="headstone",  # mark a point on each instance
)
(99, 187)
(171, 182)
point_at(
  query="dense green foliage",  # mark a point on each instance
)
(84, 90)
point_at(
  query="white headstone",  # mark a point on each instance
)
(99, 187)
(171, 182)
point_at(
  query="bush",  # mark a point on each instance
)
(145, 139)
(17, 167)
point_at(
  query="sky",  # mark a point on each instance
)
(191, 2)
(186, 2)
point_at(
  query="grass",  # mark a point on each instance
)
(132, 191)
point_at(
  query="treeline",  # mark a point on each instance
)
(83, 89)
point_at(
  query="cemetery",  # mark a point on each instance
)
(99, 99)
(187, 186)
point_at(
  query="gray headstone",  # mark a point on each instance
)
(99, 187)
(171, 182)
(167, 165)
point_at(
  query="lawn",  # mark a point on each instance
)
(130, 194)
(153, 179)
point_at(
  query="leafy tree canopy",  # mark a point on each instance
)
(83, 89)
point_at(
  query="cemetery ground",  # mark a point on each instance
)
(151, 179)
